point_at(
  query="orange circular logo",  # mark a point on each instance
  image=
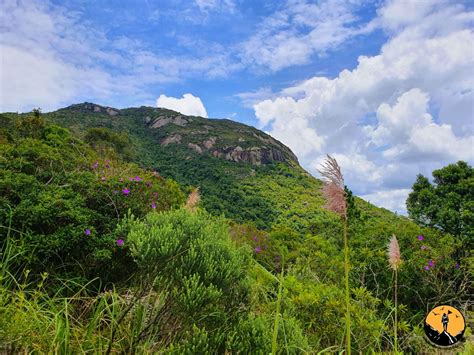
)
(444, 326)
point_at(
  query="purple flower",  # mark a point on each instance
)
(131, 179)
(153, 205)
(424, 247)
(95, 165)
(120, 242)
(258, 250)
(87, 232)
(431, 263)
(254, 238)
(457, 266)
(126, 191)
(420, 238)
(427, 267)
(137, 178)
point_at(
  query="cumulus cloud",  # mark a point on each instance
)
(393, 200)
(187, 105)
(378, 118)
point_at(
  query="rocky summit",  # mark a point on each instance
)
(217, 138)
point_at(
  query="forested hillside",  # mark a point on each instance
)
(103, 252)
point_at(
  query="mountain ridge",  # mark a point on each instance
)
(252, 146)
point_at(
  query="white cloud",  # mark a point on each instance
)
(298, 31)
(187, 105)
(378, 117)
(393, 200)
(51, 56)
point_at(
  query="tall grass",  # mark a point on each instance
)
(394, 260)
(336, 201)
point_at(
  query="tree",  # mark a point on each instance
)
(447, 203)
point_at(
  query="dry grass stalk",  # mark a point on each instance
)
(393, 252)
(193, 200)
(395, 260)
(333, 189)
(334, 192)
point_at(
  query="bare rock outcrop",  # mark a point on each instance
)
(195, 147)
(163, 121)
(173, 139)
(208, 144)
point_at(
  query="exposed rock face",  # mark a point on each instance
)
(111, 111)
(254, 155)
(173, 139)
(195, 147)
(163, 121)
(208, 144)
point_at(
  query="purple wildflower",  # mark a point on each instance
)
(120, 242)
(95, 165)
(137, 178)
(427, 267)
(424, 247)
(258, 250)
(87, 232)
(153, 205)
(131, 179)
(126, 191)
(420, 238)
(457, 265)
(431, 263)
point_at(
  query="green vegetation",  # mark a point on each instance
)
(446, 204)
(98, 254)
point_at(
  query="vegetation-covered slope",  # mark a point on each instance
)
(182, 281)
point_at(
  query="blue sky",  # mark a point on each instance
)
(385, 86)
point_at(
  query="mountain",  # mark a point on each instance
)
(241, 171)
(79, 184)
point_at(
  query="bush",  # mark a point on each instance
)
(191, 256)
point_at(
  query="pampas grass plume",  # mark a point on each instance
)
(193, 200)
(333, 189)
(393, 252)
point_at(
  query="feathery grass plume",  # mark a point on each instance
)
(193, 200)
(334, 192)
(333, 189)
(394, 260)
(393, 252)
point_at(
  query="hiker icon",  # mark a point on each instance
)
(445, 321)
(444, 325)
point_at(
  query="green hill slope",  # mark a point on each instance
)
(241, 171)
(271, 204)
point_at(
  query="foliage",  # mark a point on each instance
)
(169, 280)
(446, 204)
(63, 201)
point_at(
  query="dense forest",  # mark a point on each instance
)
(146, 231)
